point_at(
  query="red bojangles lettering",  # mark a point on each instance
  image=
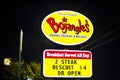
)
(64, 25)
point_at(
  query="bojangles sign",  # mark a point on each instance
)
(67, 27)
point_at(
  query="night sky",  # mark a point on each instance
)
(28, 16)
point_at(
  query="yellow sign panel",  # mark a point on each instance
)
(62, 25)
(67, 63)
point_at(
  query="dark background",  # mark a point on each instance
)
(28, 16)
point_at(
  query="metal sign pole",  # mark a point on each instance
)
(20, 50)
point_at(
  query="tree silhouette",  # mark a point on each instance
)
(28, 70)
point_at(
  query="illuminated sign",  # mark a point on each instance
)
(67, 63)
(7, 61)
(67, 27)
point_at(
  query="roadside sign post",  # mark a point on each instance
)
(20, 51)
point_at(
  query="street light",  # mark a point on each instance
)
(7, 61)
